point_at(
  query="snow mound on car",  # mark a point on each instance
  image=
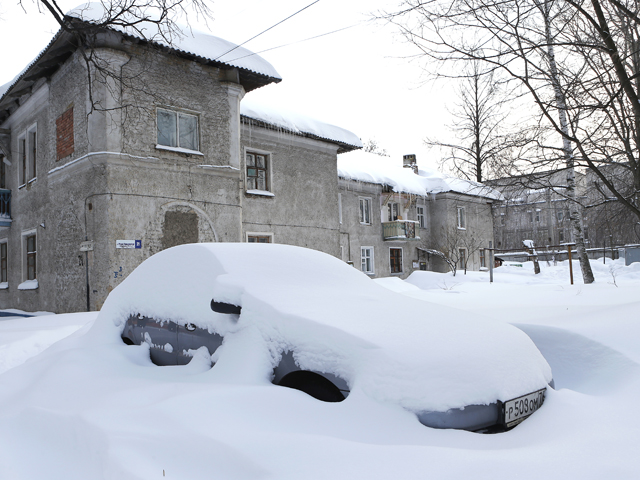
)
(334, 319)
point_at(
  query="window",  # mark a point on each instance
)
(422, 221)
(30, 241)
(340, 207)
(561, 235)
(392, 209)
(257, 173)
(483, 262)
(538, 215)
(3, 263)
(560, 215)
(365, 210)
(502, 219)
(253, 238)
(530, 215)
(32, 137)
(395, 260)
(177, 130)
(366, 257)
(462, 258)
(462, 218)
(22, 158)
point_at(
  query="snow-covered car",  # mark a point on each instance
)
(304, 319)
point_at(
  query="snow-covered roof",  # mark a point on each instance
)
(367, 167)
(190, 41)
(298, 123)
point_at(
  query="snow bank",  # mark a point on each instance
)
(335, 320)
(187, 40)
(297, 123)
(368, 167)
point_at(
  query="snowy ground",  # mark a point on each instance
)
(63, 415)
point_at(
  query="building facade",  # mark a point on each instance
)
(149, 151)
(393, 218)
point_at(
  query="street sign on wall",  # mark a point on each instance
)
(128, 243)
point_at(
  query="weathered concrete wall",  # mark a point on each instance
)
(301, 205)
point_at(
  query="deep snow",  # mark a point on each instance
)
(81, 410)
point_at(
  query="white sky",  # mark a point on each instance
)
(360, 79)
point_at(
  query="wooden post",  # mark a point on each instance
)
(570, 264)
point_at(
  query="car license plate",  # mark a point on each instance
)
(516, 410)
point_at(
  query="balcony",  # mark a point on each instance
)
(400, 230)
(5, 207)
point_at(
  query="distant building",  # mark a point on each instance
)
(392, 215)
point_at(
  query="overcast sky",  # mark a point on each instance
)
(361, 78)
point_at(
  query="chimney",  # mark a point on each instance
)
(409, 161)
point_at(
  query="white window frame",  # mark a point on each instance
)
(461, 218)
(179, 148)
(340, 208)
(367, 253)
(259, 234)
(401, 271)
(422, 217)
(361, 216)
(269, 171)
(25, 254)
(393, 208)
(482, 253)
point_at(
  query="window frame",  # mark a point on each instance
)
(268, 171)
(399, 268)
(178, 148)
(364, 201)
(32, 153)
(461, 218)
(422, 217)
(367, 253)
(462, 258)
(26, 255)
(483, 258)
(393, 207)
(560, 216)
(259, 235)
(22, 160)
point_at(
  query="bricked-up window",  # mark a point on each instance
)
(177, 130)
(3, 262)
(64, 134)
(395, 260)
(31, 257)
(257, 171)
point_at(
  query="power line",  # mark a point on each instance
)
(298, 41)
(264, 31)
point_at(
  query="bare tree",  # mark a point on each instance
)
(454, 246)
(576, 59)
(372, 146)
(481, 148)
